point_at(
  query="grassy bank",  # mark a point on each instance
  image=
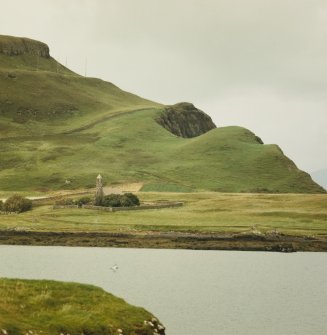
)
(205, 213)
(48, 307)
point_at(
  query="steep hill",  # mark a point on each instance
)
(56, 125)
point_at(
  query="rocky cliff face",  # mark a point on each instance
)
(185, 120)
(14, 46)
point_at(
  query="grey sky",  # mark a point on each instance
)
(261, 64)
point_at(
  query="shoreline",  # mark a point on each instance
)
(155, 240)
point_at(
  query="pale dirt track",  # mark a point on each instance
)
(116, 189)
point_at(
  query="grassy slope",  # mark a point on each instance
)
(45, 102)
(58, 125)
(135, 148)
(53, 308)
(293, 214)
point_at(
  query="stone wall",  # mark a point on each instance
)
(172, 204)
(64, 206)
(100, 208)
(135, 208)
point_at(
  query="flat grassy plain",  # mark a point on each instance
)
(49, 307)
(203, 212)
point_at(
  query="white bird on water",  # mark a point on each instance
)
(114, 268)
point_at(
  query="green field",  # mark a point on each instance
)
(209, 212)
(49, 307)
(56, 125)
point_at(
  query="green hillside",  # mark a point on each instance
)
(49, 307)
(56, 125)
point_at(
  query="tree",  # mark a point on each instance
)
(134, 198)
(120, 200)
(18, 204)
(111, 200)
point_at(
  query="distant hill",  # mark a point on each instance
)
(320, 177)
(56, 125)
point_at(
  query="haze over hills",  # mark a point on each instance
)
(320, 177)
(56, 125)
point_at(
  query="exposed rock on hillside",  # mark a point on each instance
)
(13, 46)
(185, 120)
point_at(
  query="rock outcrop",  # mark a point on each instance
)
(185, 120)
(155, 326)
(14, 46)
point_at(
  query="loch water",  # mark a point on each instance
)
(194, 292)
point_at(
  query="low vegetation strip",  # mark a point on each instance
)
(173, 240)
(47, 307)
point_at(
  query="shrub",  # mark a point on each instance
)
(125, 201)
(17, 203)
(130, 198)
(83, 201)
(1, 205)
(64, 202)
(111, 200)
(118, 200)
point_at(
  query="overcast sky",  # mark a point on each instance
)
(261, 64)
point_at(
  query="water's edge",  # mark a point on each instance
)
(241, 242)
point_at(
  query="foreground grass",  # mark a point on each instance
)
(205, 212)
(50, 307)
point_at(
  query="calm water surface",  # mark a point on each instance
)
(194, 292)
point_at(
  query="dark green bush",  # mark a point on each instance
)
(125, 201)
(17, 203)
(1, 205)
(83, 201)
(120, 200)
(130, 198)
(111, 200)
(65, 202)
